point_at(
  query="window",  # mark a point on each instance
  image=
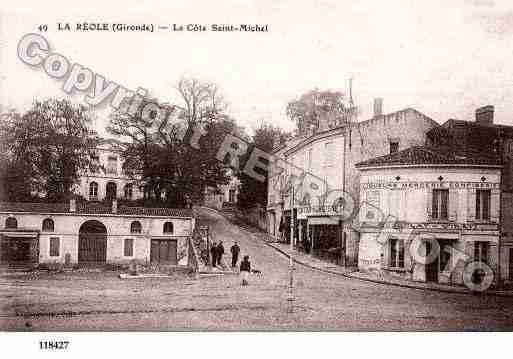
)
(11, 223)
(54, 246)
(396, 259)
(328, 154)
(93, 191)
(48, 225)
(135, 227)
(483, 205)
(394, 146)
(440, 203)
(111, 190)
(481, 252)
(129, 247)
(309, 159)
(129, 190)
(168, 227)
(112, 165)
(231, 196)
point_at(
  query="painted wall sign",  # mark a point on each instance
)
(428, 184)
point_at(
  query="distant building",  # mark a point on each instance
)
(330, 155)
(109, 181)
(225, 195)
(88, 233)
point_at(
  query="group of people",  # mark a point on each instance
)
(217, 252)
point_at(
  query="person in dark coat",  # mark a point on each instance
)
(220, 252)
(213, 253)
(245, 269)
(235, 249)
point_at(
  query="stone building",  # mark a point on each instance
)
(109, 181)
(456, 190)
(225, 195)
(329, 156)
(88, 233)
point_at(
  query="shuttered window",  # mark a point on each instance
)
(396, 259)
(481, 251)
(54, 246)
(483, 205)
(440, 204)
(129, 247)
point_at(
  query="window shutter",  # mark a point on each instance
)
(429, 203)
(453, 205)
(471, 205)
(495, 205)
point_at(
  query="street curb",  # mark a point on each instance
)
(410, 286)
(377, 281)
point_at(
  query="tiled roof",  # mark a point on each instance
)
(422, 155)
(91, 208)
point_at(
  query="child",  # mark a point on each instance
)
(245, 269)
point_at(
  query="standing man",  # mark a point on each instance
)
(235, 249)
(213, 252)
(220, 252)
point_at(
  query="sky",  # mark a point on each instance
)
(443, 58)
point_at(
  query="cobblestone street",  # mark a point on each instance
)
(323, 301)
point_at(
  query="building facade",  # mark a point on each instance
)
(109, 181)
(330, 156)
(454, 193)
(225, 195)
(88, 233)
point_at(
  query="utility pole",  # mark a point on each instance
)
(290, 298)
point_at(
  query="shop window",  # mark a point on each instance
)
(129, 247)
(483, 205)
(135, 227)
(396, 259)
(168, 227)
(48, 225)
(481, 250)
(11, 223)
(440, 204)
(54, 246)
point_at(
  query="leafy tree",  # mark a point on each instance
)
(317, 110)
(174, 173)
(252, 191)
(48, 146)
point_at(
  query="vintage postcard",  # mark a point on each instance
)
(256, 166)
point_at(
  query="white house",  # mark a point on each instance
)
(88, 233)
(329, 156)
(431, 201)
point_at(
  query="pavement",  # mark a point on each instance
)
(321, 300)
(315, 263)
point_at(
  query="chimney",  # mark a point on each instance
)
(72, 205)
(114, 206)
(484, 115)
(378, 107)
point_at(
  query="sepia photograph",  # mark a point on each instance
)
(256, 166)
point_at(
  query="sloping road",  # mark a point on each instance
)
(322, 301)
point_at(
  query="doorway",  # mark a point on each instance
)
(431, 268)
(92, 243)
(163, 251)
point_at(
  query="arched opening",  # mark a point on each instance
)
(135, 227)
(111, 191)
(11, 223)
(168, 228)
(48, 225)
(92, 243)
